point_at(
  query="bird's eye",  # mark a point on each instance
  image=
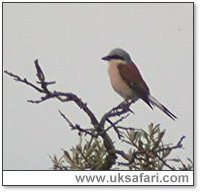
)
(116, 57)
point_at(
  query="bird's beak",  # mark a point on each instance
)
(107, 58)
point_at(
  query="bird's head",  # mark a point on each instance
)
(119, 55)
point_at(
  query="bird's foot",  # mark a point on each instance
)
(125, 105)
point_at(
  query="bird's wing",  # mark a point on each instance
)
(131, 75)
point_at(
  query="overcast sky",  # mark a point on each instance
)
(69, 41)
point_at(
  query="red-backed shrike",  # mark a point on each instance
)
(128, 82)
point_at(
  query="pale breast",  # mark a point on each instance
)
(118, 83)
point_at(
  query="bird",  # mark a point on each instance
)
(127, 81)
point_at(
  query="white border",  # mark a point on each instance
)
(122, 178)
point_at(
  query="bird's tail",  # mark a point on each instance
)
(155, 102)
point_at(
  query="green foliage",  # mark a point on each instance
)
(146, 152)
(87, 155)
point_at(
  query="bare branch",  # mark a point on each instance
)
(178, 145)
(122, 108)
(81, 130)
(70, 97)
(19, 79)
(117, 122)
(115, 128)
(122, 154)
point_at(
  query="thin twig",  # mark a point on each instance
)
(24, 80)
(77, 126)
(115, 128)
(117, 122)
(163, 161)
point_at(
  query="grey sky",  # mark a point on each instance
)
(69, 41)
